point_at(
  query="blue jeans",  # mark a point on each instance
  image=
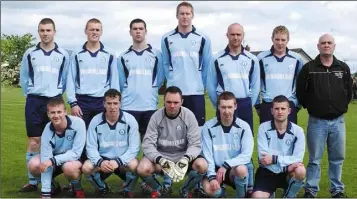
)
(320, 132)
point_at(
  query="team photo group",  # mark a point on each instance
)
(114, 114)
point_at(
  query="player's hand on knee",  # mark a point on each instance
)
(167, 167)
(114, 164)
(293, 166)
(106, 167)
(44, 165)
(221, 174)
(76, 111)
(214, 185)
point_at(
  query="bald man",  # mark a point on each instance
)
(236, 70)
(324, 89)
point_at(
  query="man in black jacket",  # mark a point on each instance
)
(324, 88)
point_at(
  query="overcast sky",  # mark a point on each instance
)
(305, 20)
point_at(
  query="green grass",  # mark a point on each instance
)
(14, 144)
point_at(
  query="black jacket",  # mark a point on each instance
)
(324, 91)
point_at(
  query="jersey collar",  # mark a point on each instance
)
(140, 52)
(112, 127)
(234, 57)
(185, 35)
(69, 123)
(288, 129)
(226, 129)
(281, 59)
(38, 47)
(101, 48)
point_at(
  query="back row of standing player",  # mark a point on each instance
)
(185, 61)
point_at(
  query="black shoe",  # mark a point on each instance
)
(308, 194)
(166, 191)
(126, 194)
(199, 193)
(28, 188)
(68, 188)
(145, 189)
(339, 195)
(56, 190)
(104, 193)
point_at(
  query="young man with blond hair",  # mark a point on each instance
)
(279, 68)
(93, 71)
(62, 144)
(186, 54)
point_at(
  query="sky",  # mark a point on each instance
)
(306, 21)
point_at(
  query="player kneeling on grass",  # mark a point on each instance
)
(62, 143)
(227, 145)
(281, 148)
(113, 143)
(172, 144)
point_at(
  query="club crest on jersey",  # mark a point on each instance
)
(103, 59)
(121, 131)
(57, 59)
(288, 142)
(235, 135)
(148, 59)
(179, 128)
(339, 74)
(193, 42)
(244, 63)
(69, 138)
(291, 66)
(266, 65)
(126, 61)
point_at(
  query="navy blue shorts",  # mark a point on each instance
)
(90, 106)
(244, 111)
(267, 181)
(36, 114)
(143, 118)
(57, 170)
(196, 103)
(265, 112)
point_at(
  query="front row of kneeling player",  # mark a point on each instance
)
(216, 156)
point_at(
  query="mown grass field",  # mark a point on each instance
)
(14, 144)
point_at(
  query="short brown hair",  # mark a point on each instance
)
(93, 20)
(184, 3)
(112, 93)
(280, 29)
(55, 101)
(280, 99)
(226, 95)
(45, 21)
(173, 89)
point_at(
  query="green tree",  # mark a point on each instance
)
(13, 47)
